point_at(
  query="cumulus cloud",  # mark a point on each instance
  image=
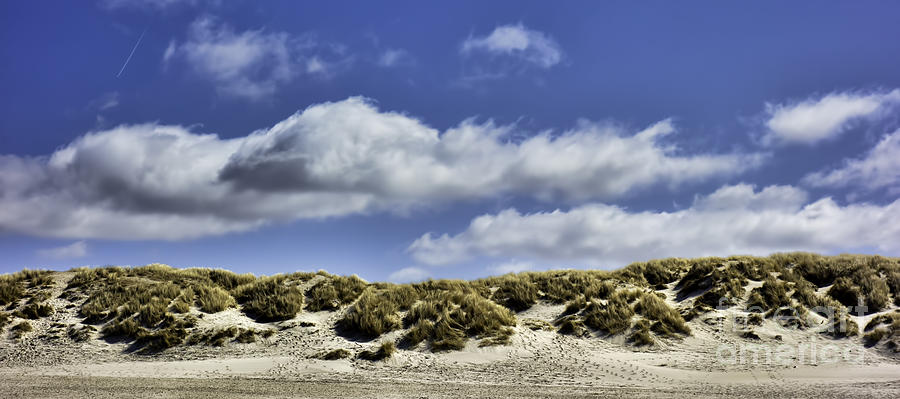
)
(409, 275)
(251, 64)
(733, 220)
(879, 168)
(516, 41)
(813, 120)
(333, 159)
(76, 249)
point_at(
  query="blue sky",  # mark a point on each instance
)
(404, 140)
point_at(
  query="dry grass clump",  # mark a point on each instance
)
(883, 327)
(384, 351)
(12, 286)
(666, 321)
(246, 337)
(19, 330)
(81, 334)
(612, 318)
(845, 292)
(771, 295)
(561, 286)
(269, 299)
(401, 296)
(335, 354)
(716, 282)
(183, 303)
(11, 290)
(841, 326)
(213, 299)
(4, 319)
(755, 319)
(873, 337)
(641, 335)
(213, 337)
(517, 294)
(448, 318)
(159, 340)
(34, 311)
(571, 325)
(537, 324)
(118, 329)
(888, 318)
(334, 292)
(655, 273)
(697, 279)
(371, 316)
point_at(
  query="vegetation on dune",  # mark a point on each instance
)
(331, 294)
(269, 299)
(384, 351)
(15, 286)
(371, 316)
(456, 315)
(212, 299)
(34, 311)
(612, 318)
(19, 330)
(517, 294)
(155, 307)
(336, 354)
(641, 335)
(82, 334)
(666, 321)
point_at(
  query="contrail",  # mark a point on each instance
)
(132, 53)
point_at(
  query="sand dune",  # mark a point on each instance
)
(718, 359)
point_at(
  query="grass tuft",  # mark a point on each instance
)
(384, 351)
(336, 354)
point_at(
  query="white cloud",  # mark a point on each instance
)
(74, 250)
(516, 41)
(395, 58)
(879, 168)
(252, 64)
(732, 220)
(814, 120)
(409, 275)
(511, 267)
(332, 159)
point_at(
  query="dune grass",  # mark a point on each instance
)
(384, 351)
(371, 316)
(153, 306)
(335, 354)
(269, 299)
(334, 292)
(19, 330)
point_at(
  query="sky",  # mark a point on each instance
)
(409, 140)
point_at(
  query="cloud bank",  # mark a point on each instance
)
(153, 181)
(733, 220)
(814, 120)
